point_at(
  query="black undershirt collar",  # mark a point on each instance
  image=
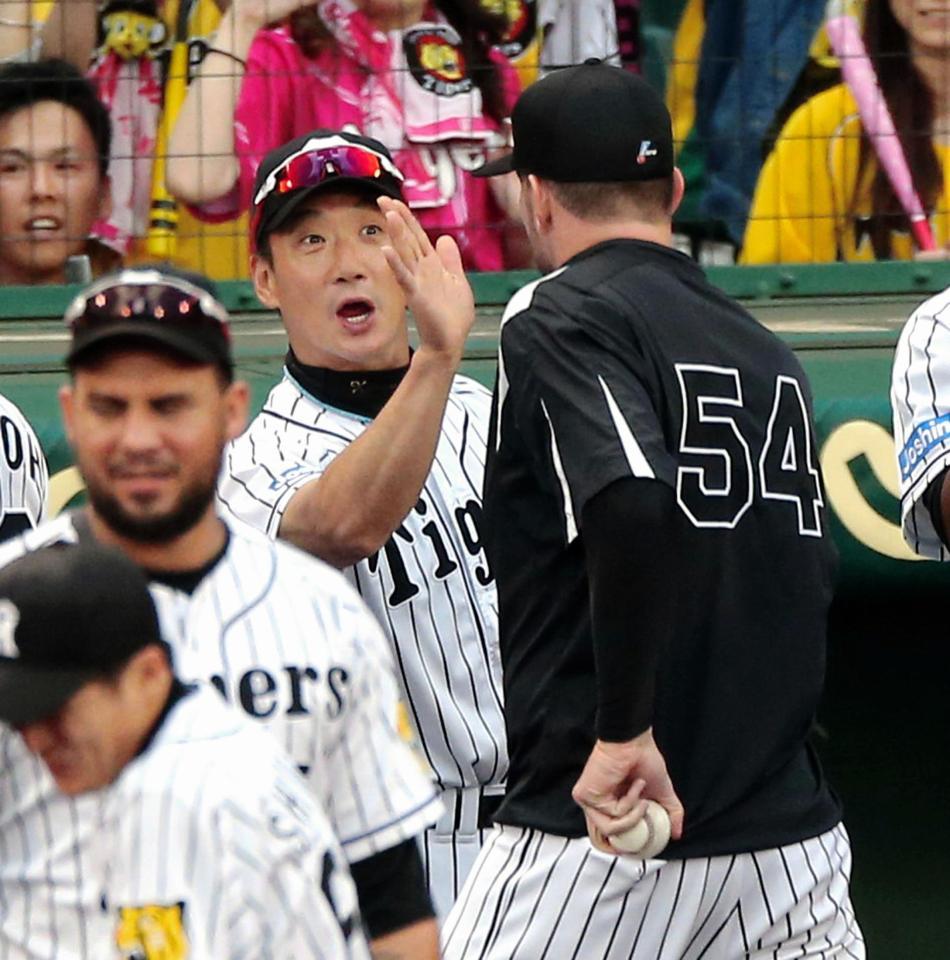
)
(363, 392)
(187, 581)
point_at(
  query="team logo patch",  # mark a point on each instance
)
(435, 60)
(9, 618)
(647, 150)
(152, 933)
(522, 19)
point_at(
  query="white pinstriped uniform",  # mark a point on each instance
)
(286, 639)
(575, 903)
(213, 834)
(920, 403)
(431, 588)
(23, 473)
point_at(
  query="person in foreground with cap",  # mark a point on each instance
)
(150, 404)
(656, 523)
(212, 845)
(326, 208)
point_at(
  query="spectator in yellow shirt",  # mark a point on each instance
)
(822, 196)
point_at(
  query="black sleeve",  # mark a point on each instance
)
(630, 539)
(391, 889)
(932, 501)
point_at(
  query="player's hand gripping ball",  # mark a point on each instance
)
(648, 837)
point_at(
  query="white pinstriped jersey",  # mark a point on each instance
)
(23, 473)
(214, 838)
(285, 638)
(431, 587)
(920, 403)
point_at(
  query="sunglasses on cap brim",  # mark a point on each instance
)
(146, 295)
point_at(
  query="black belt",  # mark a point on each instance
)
(488, 804)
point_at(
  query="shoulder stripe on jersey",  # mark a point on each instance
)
(519, 302)
(570, 526)
(638, 462)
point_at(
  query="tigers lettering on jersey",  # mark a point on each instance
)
(23, 473)
(431, 585)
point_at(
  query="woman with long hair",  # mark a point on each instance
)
(822, 194)
(423, 77)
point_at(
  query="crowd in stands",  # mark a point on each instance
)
(133, 129)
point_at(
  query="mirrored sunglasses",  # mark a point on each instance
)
(146, 296)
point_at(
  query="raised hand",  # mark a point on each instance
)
(436, 288)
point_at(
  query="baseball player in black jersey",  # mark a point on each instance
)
(656, 522)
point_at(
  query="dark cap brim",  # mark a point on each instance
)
(29, 693)
(186, 344)
(494, 168)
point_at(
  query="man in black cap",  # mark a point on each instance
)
(188, 840)
(325, 210)
(149, 407)
(656, 523)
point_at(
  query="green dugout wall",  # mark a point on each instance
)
(843, 337)
(883, 731)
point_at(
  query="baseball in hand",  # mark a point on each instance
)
(648, 837)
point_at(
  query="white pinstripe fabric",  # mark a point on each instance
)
(920, 403)
(430, 588)
(286, 638)
(215, 817)
(535, 896)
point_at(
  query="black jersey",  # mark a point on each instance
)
(627, 362)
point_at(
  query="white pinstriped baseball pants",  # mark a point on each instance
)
(535, 896)
(449, 847)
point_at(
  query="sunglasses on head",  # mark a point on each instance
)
(145, 295)
(314, 165)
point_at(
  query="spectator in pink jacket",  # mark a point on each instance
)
(422, 77)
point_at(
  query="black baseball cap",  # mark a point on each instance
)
(69, 613)
(591, 123)
(317, 160)
(177, 309)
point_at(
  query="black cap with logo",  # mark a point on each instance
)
(69, 613)
(317, 160)
(175, 309)
(592, 123)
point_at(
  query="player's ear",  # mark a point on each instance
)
(237, 401)
(262, 275)
(679, 188)
(541, 202)
(66, 398)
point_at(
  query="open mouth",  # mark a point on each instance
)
(40, 226)
(356, 311)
